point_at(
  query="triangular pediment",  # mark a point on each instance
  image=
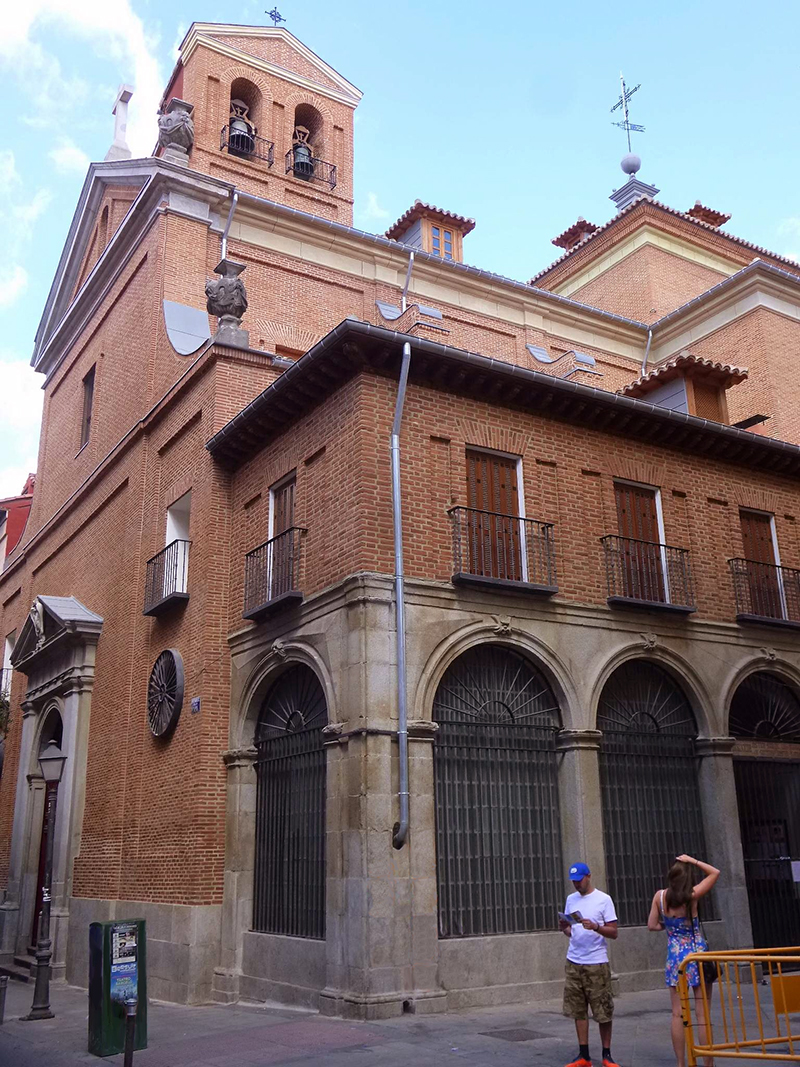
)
(274, 50)
(51, 620)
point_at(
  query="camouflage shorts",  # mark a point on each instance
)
(588, 984)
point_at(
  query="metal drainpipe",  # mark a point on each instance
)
(404, 294)
(646, 350)
(224, 245)
(400, 831)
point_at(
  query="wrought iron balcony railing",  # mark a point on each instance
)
(246, 145)
(765, 592)
(648, 574)
(494, 549)
(5, 682)
(167, 576)
(272, 574)
(311, 170)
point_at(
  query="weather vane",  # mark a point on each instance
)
(276, 16)
(626, 124)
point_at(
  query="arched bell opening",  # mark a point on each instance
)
(244, 116)
(648, 782)
(307, 141)
(289, 881)
(498, 835)
(765, 720)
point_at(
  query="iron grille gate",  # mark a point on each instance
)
(289, 890)
(648, 782)
(768, 793)
(651, 814)
(498, 834)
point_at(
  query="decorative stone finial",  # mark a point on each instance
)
(227, 299)
(119, 148)
(176, 131)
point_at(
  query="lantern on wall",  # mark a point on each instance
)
(241, 131)
(303, 155)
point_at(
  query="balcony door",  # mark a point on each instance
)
(493, 520)
(639, 522)
(758, 538)
(281, 523)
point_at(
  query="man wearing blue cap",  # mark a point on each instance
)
(590, 919)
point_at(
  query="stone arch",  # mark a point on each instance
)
(278, 334)
(770, 662)
(681, 669)
(502, 632)
(50, 727)
(263, 676)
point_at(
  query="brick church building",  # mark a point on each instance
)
(363, 604)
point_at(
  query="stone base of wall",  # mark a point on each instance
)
(182, 944)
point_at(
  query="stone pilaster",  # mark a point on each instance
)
(580, 801)
(723, 838)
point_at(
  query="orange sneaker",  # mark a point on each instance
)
(610, 1063)
(580, 1062)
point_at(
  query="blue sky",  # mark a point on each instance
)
(499, 111)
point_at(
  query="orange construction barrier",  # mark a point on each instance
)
(735, 1017)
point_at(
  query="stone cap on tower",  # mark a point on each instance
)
(633, 189)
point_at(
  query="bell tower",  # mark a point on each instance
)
(269, 115)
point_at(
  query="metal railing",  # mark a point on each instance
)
(648, 572)
(5, 682)
(765, 591)
(246, 145)
(490, 545)
(311, 170)
(743, 1021)
(273, 569)
(167, 575)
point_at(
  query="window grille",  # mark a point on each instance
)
(289, 891)
(648, 780)
(498, 835)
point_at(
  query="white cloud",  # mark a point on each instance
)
(13, 283)
(790, 226)
(20, 388)
(27, 214)
(68, 158)
(373, 212)
(9, 175)
(115, 31)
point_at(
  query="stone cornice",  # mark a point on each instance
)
(569, 740)
(240, 757)
(715, 746)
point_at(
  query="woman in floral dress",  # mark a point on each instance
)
(674, 909)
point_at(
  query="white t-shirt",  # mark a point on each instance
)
(587, 946)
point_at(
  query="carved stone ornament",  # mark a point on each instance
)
(226, 295)
(770, 654)
(649, 640)
(278, 649)
(176, 130)
(502, 626)
(36, 615)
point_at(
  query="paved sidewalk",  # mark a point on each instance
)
(251, 1036)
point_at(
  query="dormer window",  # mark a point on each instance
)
(430, 229)
(442, 242)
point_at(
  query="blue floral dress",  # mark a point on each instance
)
(683, 937)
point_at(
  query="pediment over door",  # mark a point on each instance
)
(53, 622)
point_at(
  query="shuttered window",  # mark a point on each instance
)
(642, 556)
(493, 524)
(763, 576)
(283, 547)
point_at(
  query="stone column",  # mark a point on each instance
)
(580, 801)
(723, 838)
(240, 836)
(10, 908)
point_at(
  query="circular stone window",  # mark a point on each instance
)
(165, 693)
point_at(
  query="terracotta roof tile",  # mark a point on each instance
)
(574, 234)
(708, 214)
(722, 374)
(670, 211)
(420, 208)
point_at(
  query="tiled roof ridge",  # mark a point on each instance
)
(420, 207)
(670, 211)
(687, 359)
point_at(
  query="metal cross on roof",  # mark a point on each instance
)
(625, 96)
(276, 16)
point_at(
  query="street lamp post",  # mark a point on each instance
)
(52, 761)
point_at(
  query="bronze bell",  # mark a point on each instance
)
(241, 140)
(303, 163)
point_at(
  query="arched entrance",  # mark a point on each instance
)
(498, 835)
(289, 889)
(648, 781)
(765, 720)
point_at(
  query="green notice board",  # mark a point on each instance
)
(117, 971)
